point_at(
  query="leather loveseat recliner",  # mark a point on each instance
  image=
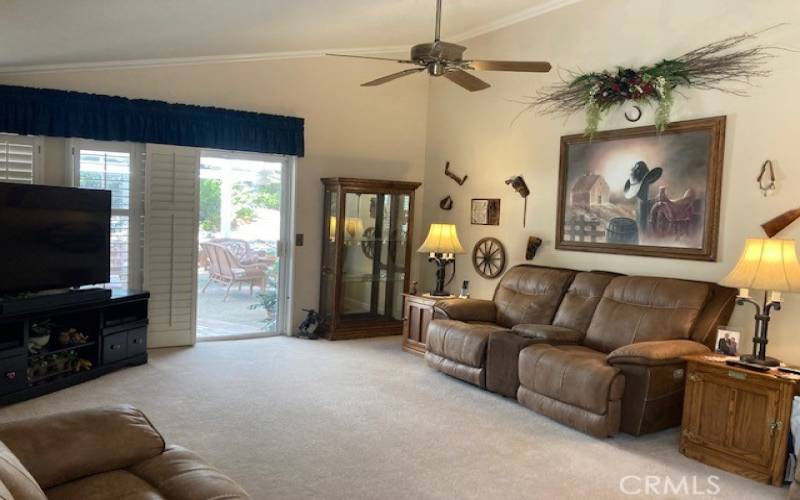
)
(99, 454)
(594, 350)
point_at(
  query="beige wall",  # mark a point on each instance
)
(476, 134)
(382, 132)
(350, 131)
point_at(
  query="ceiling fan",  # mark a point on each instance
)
(445, 59)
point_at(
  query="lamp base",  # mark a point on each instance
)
(443, 293)
(755, 360)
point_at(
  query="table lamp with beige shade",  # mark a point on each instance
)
(442, 245)
(771, 266)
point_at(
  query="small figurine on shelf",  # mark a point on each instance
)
(72, 337)
(39, 336)
(414, 288)
(83, 365)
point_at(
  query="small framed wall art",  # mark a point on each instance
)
(485, 211)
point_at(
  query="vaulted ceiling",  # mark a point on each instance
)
(47, 32)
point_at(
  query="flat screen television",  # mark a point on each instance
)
(53, 237)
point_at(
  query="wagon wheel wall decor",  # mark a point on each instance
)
(367, 243)
(489, 257)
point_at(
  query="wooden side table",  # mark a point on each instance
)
(417, 313)
(737, 419)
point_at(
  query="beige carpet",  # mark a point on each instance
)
(298, 419)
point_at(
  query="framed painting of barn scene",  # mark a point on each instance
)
(639, 192)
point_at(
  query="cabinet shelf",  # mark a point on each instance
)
(50, 376)
(48, 352)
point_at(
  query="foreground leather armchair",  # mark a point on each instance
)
(99, 454)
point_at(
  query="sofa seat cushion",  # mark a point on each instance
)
(574, 375)
(550, 333)
(106, 486)
(462, 342)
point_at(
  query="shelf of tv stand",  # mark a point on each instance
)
(73, 347)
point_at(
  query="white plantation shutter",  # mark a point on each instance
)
(170, 248)
(18, 158)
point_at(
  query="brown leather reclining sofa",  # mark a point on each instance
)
(103, 453)
(594, 350)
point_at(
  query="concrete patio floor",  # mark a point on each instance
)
(224, 318)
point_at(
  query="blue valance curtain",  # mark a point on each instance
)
(59, 113)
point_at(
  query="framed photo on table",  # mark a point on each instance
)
(636, 191)
(728, 341)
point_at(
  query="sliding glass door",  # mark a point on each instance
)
(243, 227)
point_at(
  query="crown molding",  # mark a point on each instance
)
(524, 15)
(197, 60)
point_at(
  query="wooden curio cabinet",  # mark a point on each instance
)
(366, 256)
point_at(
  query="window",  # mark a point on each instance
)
(115, 167)
(19, 158)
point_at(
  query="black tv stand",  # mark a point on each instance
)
(49, 342)
(49, 300)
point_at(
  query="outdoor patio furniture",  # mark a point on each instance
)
(226, 268)
(241, 250)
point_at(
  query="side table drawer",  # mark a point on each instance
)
(115, 347)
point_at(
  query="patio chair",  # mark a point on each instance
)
(241, 250)
(225, 268)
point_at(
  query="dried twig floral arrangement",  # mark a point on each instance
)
(710, 67)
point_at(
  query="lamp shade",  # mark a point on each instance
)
(442, 238)
(354, 226)
(766, 265)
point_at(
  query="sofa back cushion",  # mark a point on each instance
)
(16, 479)
(638, 309)
(579, 303)
(530, 294)
(63, 447)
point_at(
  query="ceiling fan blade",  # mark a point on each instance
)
(374, 58)
(393, 76)
(464, 79)
(525, 66)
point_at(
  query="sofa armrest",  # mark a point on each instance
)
(657, 352)
(60, 448)
(466, 310)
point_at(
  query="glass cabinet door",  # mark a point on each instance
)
(374, 255)
(328, 283)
